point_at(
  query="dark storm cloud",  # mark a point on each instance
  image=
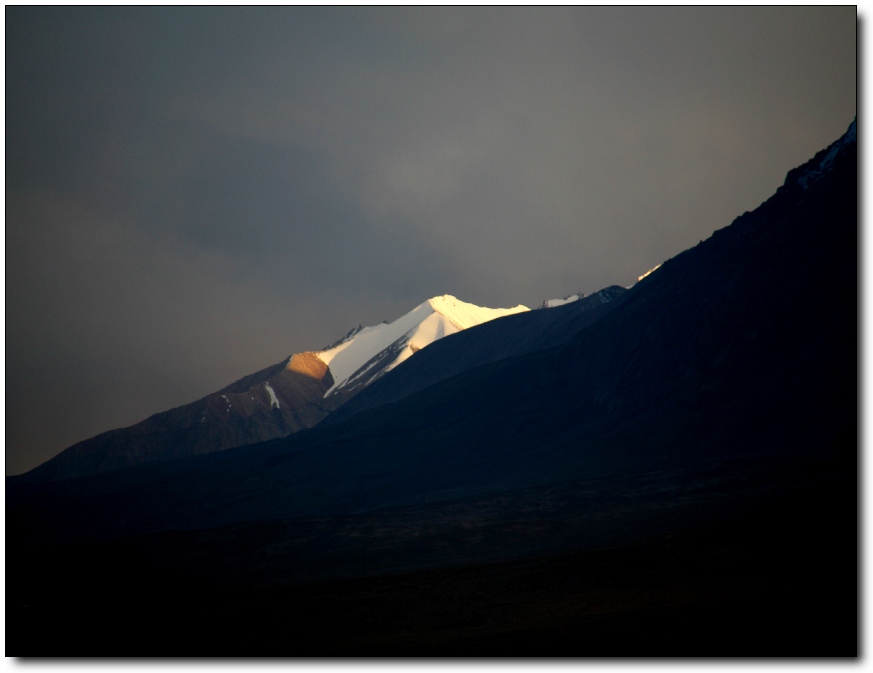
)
(195, 193)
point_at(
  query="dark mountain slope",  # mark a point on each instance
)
(245, 412)
(499, 339)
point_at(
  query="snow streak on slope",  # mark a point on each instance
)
(373, 351)
(274, 401)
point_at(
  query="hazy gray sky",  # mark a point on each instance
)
(194, 194)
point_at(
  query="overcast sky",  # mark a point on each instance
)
(194, 194)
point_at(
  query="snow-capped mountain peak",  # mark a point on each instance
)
(466, 315)
(367, 353)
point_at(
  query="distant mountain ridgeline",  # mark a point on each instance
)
(299, 392)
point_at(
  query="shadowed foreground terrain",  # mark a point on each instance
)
(708, 579)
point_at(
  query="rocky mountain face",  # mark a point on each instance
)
(273, 402)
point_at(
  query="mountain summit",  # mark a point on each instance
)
(368, 353)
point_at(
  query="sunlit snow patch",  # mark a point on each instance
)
(648, 272)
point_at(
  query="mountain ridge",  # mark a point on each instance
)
(281, 399)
